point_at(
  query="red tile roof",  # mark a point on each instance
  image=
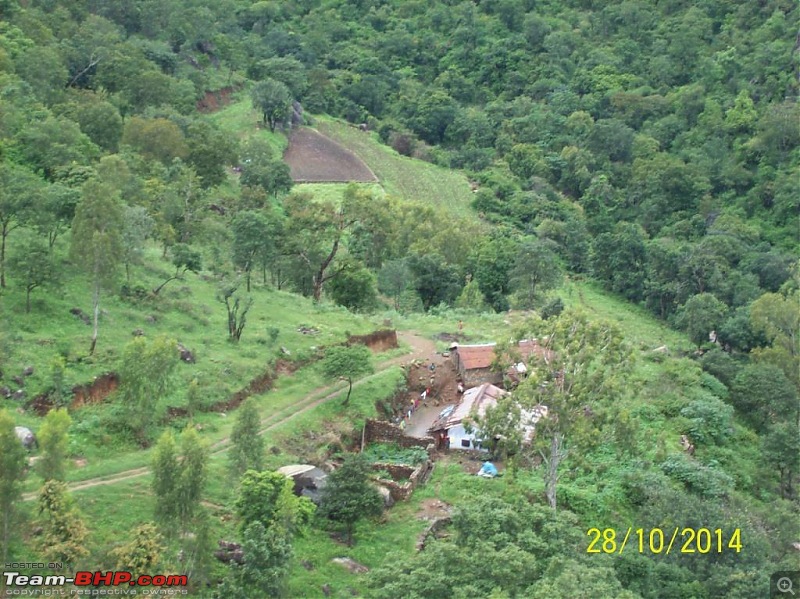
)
(481, 356)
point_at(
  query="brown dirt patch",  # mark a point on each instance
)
(314, 158)
(96, 391)
(214, 100)
(431, 509)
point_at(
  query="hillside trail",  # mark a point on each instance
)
(420, 348)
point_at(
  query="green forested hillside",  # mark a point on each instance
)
(634, 164)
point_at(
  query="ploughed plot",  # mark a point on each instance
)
(314, 158)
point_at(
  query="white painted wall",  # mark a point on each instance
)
(458, 434)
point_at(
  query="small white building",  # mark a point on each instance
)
(449, 428)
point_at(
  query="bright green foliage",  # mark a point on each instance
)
(517, 543)
(247, 451)
(394, 454)
(102, 122)
(146, 378)
(348, 496)
(139, 226)
(347, 362)
(65, 535)
(54, 444)
(142, 553)
(12, 472)
(471, 297)
(710, 421)
(266, 498)
(273, 100)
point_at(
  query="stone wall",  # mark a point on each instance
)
(378, 431)
(401, 491)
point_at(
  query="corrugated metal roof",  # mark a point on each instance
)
(475, 400)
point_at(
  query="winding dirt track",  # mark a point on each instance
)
(420, 348)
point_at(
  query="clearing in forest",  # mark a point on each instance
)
(314, 158)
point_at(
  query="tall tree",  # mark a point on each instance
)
(348, 497)
(166, 473)
(139, 226)
(145, 378)
(97, 240)
(585, 362)
(54, 444)
(65, 532)
(247, 451)
(347, 363)
(19, 192)
(536, 269)
(316, 231)
(253, 240)
(12, 472)
(179, 475)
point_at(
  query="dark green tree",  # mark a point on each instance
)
(19, 193)
(700, 315)
(348, 497)
(33, 266)
(273, 100)
(536, 269)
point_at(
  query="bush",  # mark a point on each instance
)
(552, 308)
(710, 420)
(705, 480)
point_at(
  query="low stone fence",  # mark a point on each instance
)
(401, 491)
(379, 431)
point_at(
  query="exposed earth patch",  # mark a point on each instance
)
(314, 158)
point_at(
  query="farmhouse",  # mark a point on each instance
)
(475, 402)
(474, 362)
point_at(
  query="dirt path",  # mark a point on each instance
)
(420, 348)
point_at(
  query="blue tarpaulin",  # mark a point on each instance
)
(488, 470)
